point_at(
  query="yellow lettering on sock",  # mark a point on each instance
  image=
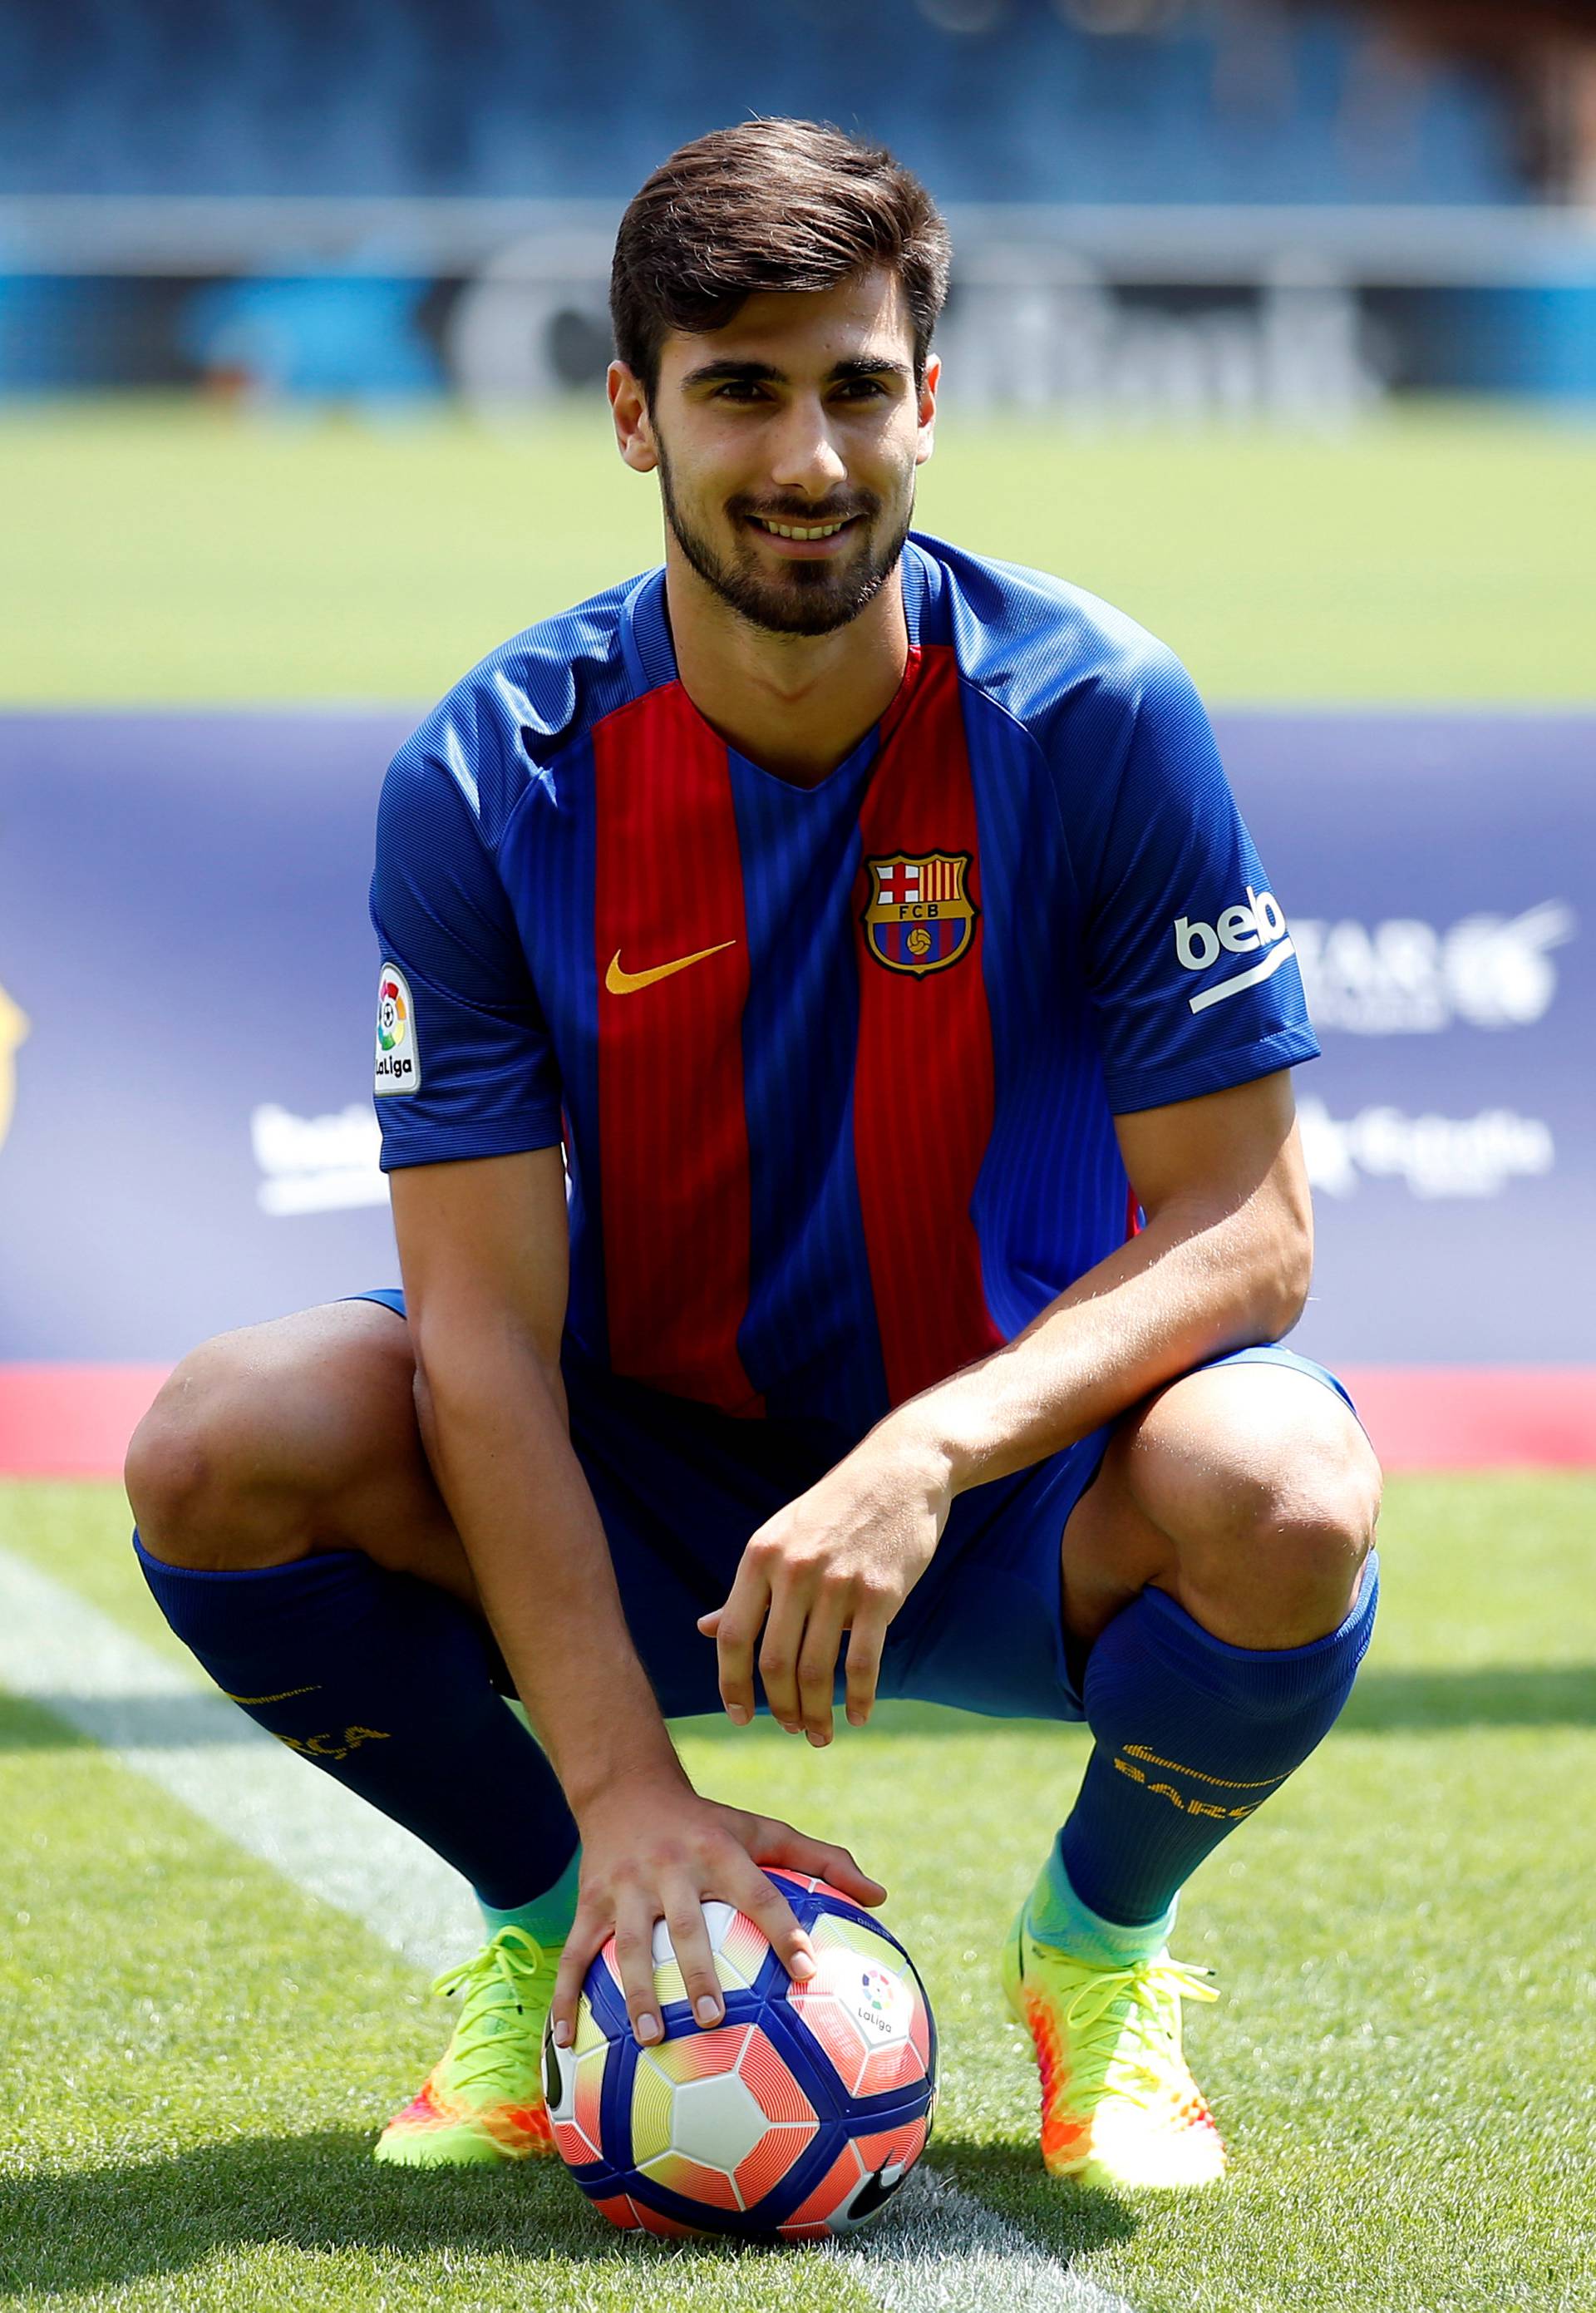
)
(1186, 1806)
(1226, 1783)
(331, 1746)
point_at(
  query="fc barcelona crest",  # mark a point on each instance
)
(919, 917)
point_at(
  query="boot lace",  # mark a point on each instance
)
(1126, 2020)
(497, 1982)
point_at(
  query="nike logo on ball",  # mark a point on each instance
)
(877, 2189)
(626, 983)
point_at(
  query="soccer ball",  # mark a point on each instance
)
(797, 2117)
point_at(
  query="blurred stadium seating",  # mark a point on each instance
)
(1239, 205)
(996, 99)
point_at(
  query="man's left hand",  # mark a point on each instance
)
(842, 1558)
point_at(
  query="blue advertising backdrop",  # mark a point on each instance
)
(188, 986)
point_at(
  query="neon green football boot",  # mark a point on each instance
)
(1120, 2108)
(482, 2103)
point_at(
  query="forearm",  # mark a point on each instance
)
(1196, 1282)
(493, 1418)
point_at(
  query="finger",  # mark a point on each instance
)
(582, 1944)
(737, 1633)
(817, 1667)
(865, 1641)
(762, 1901)
(633, 1955)
(710, 1623)
(778, 1655)
(817, 1858)
(689, 1940)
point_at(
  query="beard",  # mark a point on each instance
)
(804, 598)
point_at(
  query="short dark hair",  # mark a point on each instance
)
(769, 204)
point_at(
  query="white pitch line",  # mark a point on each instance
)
(936, 2248)
(57, 1649)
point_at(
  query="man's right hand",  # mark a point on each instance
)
(656, 1851)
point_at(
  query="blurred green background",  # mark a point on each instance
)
(172, 552)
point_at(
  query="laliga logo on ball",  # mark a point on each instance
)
(878, 2006)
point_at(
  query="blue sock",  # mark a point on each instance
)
(1192, 1736)
(383, 1681)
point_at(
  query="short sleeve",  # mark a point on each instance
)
(464, 1063)
(1193, 975)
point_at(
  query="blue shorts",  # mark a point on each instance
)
(680, 1487)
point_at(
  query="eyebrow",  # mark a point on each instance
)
(758, 373)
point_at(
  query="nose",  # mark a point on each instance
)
(805, 458)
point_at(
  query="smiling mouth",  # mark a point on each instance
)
(798, 529)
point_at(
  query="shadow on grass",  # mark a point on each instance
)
(1491, 1694)
(1398, 1702)
(1065, 2219)
(88, 2229)
(137, 1722)
(1496, 1694)
(30, 1727)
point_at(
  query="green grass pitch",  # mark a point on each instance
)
(198, 2055)
(167, 553)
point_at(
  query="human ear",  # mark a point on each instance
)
(929, 385)
(634, 428)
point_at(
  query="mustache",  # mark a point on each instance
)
(806, 516)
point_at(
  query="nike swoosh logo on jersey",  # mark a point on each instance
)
(626, 983)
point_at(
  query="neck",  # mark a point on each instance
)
(796, 705)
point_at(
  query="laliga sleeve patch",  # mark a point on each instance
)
(398, 1057)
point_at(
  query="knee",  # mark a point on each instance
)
(1314, 1527)
(1284, 1562)
(193, 1464)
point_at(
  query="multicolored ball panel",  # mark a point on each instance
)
(871, 2020)
(890, 2155)
(797, 2117)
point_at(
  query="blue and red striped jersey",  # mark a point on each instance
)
(835, 1067)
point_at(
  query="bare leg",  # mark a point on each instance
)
(282, 1439)
(1247, 1493)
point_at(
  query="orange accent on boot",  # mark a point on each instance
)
(1067, 2139)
